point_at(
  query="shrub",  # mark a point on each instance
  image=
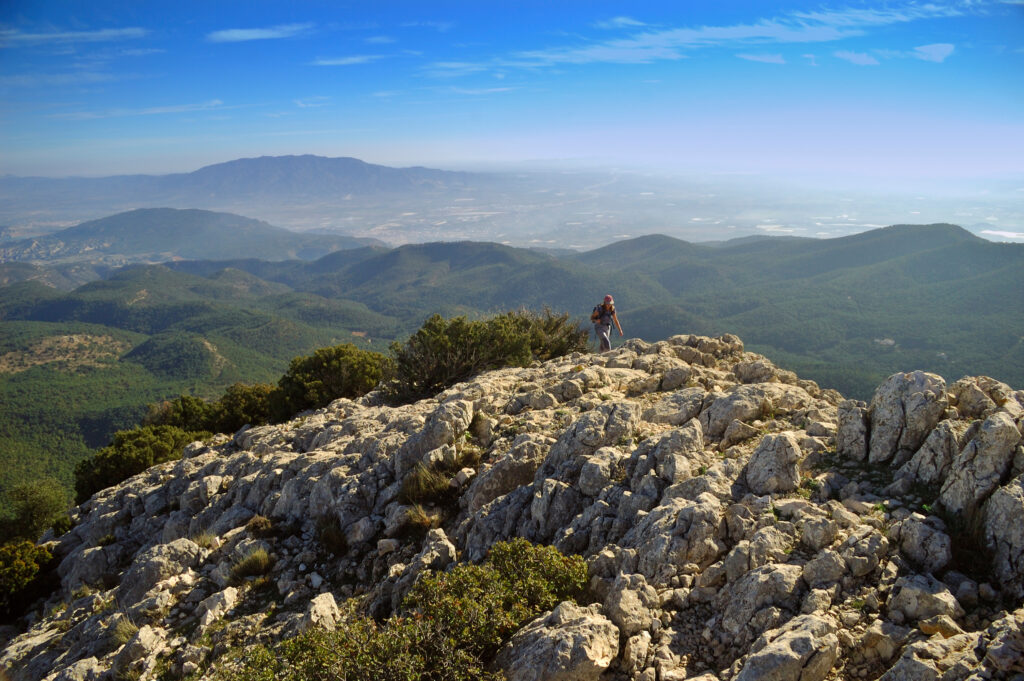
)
(255, 563)
(242, 404)
(479, 607)
(131, 452)
(34, 507)
(326, 375)
(185, 411)
(444, 352)
(453, 624)
(20, 564)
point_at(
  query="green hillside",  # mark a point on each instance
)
(76, 366)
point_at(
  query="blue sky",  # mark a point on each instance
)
(896, 89)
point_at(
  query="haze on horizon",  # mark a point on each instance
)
(909, 100)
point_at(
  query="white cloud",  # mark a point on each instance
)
(795, 27)
(480, 91)
(148, 111)
(312, 102)
(813, 59)
(858, 58)
(1005, 235)
(238, 35)
(439, 26)
(347, 61)
(380, 40)
(763, 58)
(11, 37)
(619, 22)
(936, 52)
(453, 69)
(58, 79)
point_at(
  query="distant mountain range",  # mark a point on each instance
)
(295, 180)
(162, 234)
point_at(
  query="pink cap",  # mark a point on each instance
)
(608, 299)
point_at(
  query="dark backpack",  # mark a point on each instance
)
(601, 315)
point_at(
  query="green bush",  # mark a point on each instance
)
(20, 563)
(131, 452)
(479, 607)
(452, 625)
(33, 508)
(326, 375)
(444, 352)
(240, 405)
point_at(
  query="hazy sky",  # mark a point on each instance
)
(905, 89)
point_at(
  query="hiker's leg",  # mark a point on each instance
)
(604, 334)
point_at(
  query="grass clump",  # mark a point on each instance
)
(254, 564)
(450, 628)
(331, 536)
(259, 526)
(122, 631)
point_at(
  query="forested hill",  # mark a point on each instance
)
(844, 312)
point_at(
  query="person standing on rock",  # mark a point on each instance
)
(603, 316)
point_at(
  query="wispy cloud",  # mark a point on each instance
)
(70, 79)
(813, 59)
(351, 60)
(619, 22)
(380, 40)
(858, 58)
(312, 102)
(439, 26)
(763, 58)
(480, 91)
(936, 52)
(454, 69)
(213, 104)
(13, 37)
(239, 35)
(647, 46)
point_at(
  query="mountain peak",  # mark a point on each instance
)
(700, 482)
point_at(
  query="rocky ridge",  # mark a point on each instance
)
(738, 523)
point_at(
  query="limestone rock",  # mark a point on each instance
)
(569, 644)
(771, 584)
(924, 541)
(159, 562)
(1004, 534)
(805, 649)
(322, 612)
(931, 464)
(903, 411)
(676, 408)
(852, 431)
(921, 597)
(631, 604)
(773, 466)
(981, 466)
(514, 469)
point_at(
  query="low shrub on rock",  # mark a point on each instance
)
(131, 452)
(451, 626)
(446, 351)
(326, 375)
(20, 565)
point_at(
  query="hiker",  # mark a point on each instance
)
(603, 316)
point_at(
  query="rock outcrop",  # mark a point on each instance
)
(737, 522)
